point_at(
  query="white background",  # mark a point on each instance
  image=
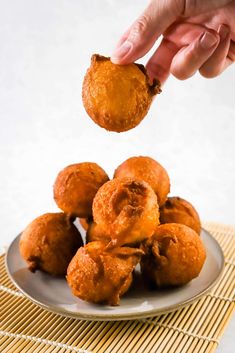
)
(45, 49)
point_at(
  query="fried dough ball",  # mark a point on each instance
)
(178, 210)
(49, 243)
(102, 276)
(75, 188)
(126, 210)
(95, 232)
(117, 97)
(173, 256)
(149, 170)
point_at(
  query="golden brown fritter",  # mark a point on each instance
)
(95, 232)
(178, 210)
(149, 170)
(126, 210)
(117, 97)
(49, 243)
(173, 256)
(75, 188)
(98, 275)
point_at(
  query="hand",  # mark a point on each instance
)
(197, 35)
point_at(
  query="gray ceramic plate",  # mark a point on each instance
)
(54, 294)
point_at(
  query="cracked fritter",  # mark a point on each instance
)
(149, 170)
(174, 255)
(126, 210)
(100, 275)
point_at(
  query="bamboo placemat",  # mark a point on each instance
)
(25, 327)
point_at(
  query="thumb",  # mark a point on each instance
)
(143, 33)
(155, 19)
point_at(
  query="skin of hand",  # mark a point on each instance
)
(197, 35)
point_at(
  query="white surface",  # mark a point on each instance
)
(45, 50)
(54, 293)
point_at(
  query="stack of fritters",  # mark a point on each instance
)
(128, 220)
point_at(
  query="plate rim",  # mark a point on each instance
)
(116, 316)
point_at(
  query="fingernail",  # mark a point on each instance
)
(223, 32)
(122, 50)
(208, 40)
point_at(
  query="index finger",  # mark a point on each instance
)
(141, 36)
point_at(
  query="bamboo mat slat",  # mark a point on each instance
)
(27, 328)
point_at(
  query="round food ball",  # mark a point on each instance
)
(173, 256)
(178, 210)
(95, 232)
(126, 210)
(75, 188)
(49, 243)
(117, 97)
(149, 170)
(98, 275)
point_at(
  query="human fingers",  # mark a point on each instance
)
(217, 62)
(184, 33)
(177, 36)
(197, 7)
(189, 59)
(156, 18)
(123, 37)
(145, 30)
(159, 64)
(231, 52)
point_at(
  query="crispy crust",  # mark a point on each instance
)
(173, 256)
(178, 210)
(117, 97)
(126, 210)
(96, 233)
(49, 243)
(75, 188)
(154, 87)
(150, 171)
(99, 275)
